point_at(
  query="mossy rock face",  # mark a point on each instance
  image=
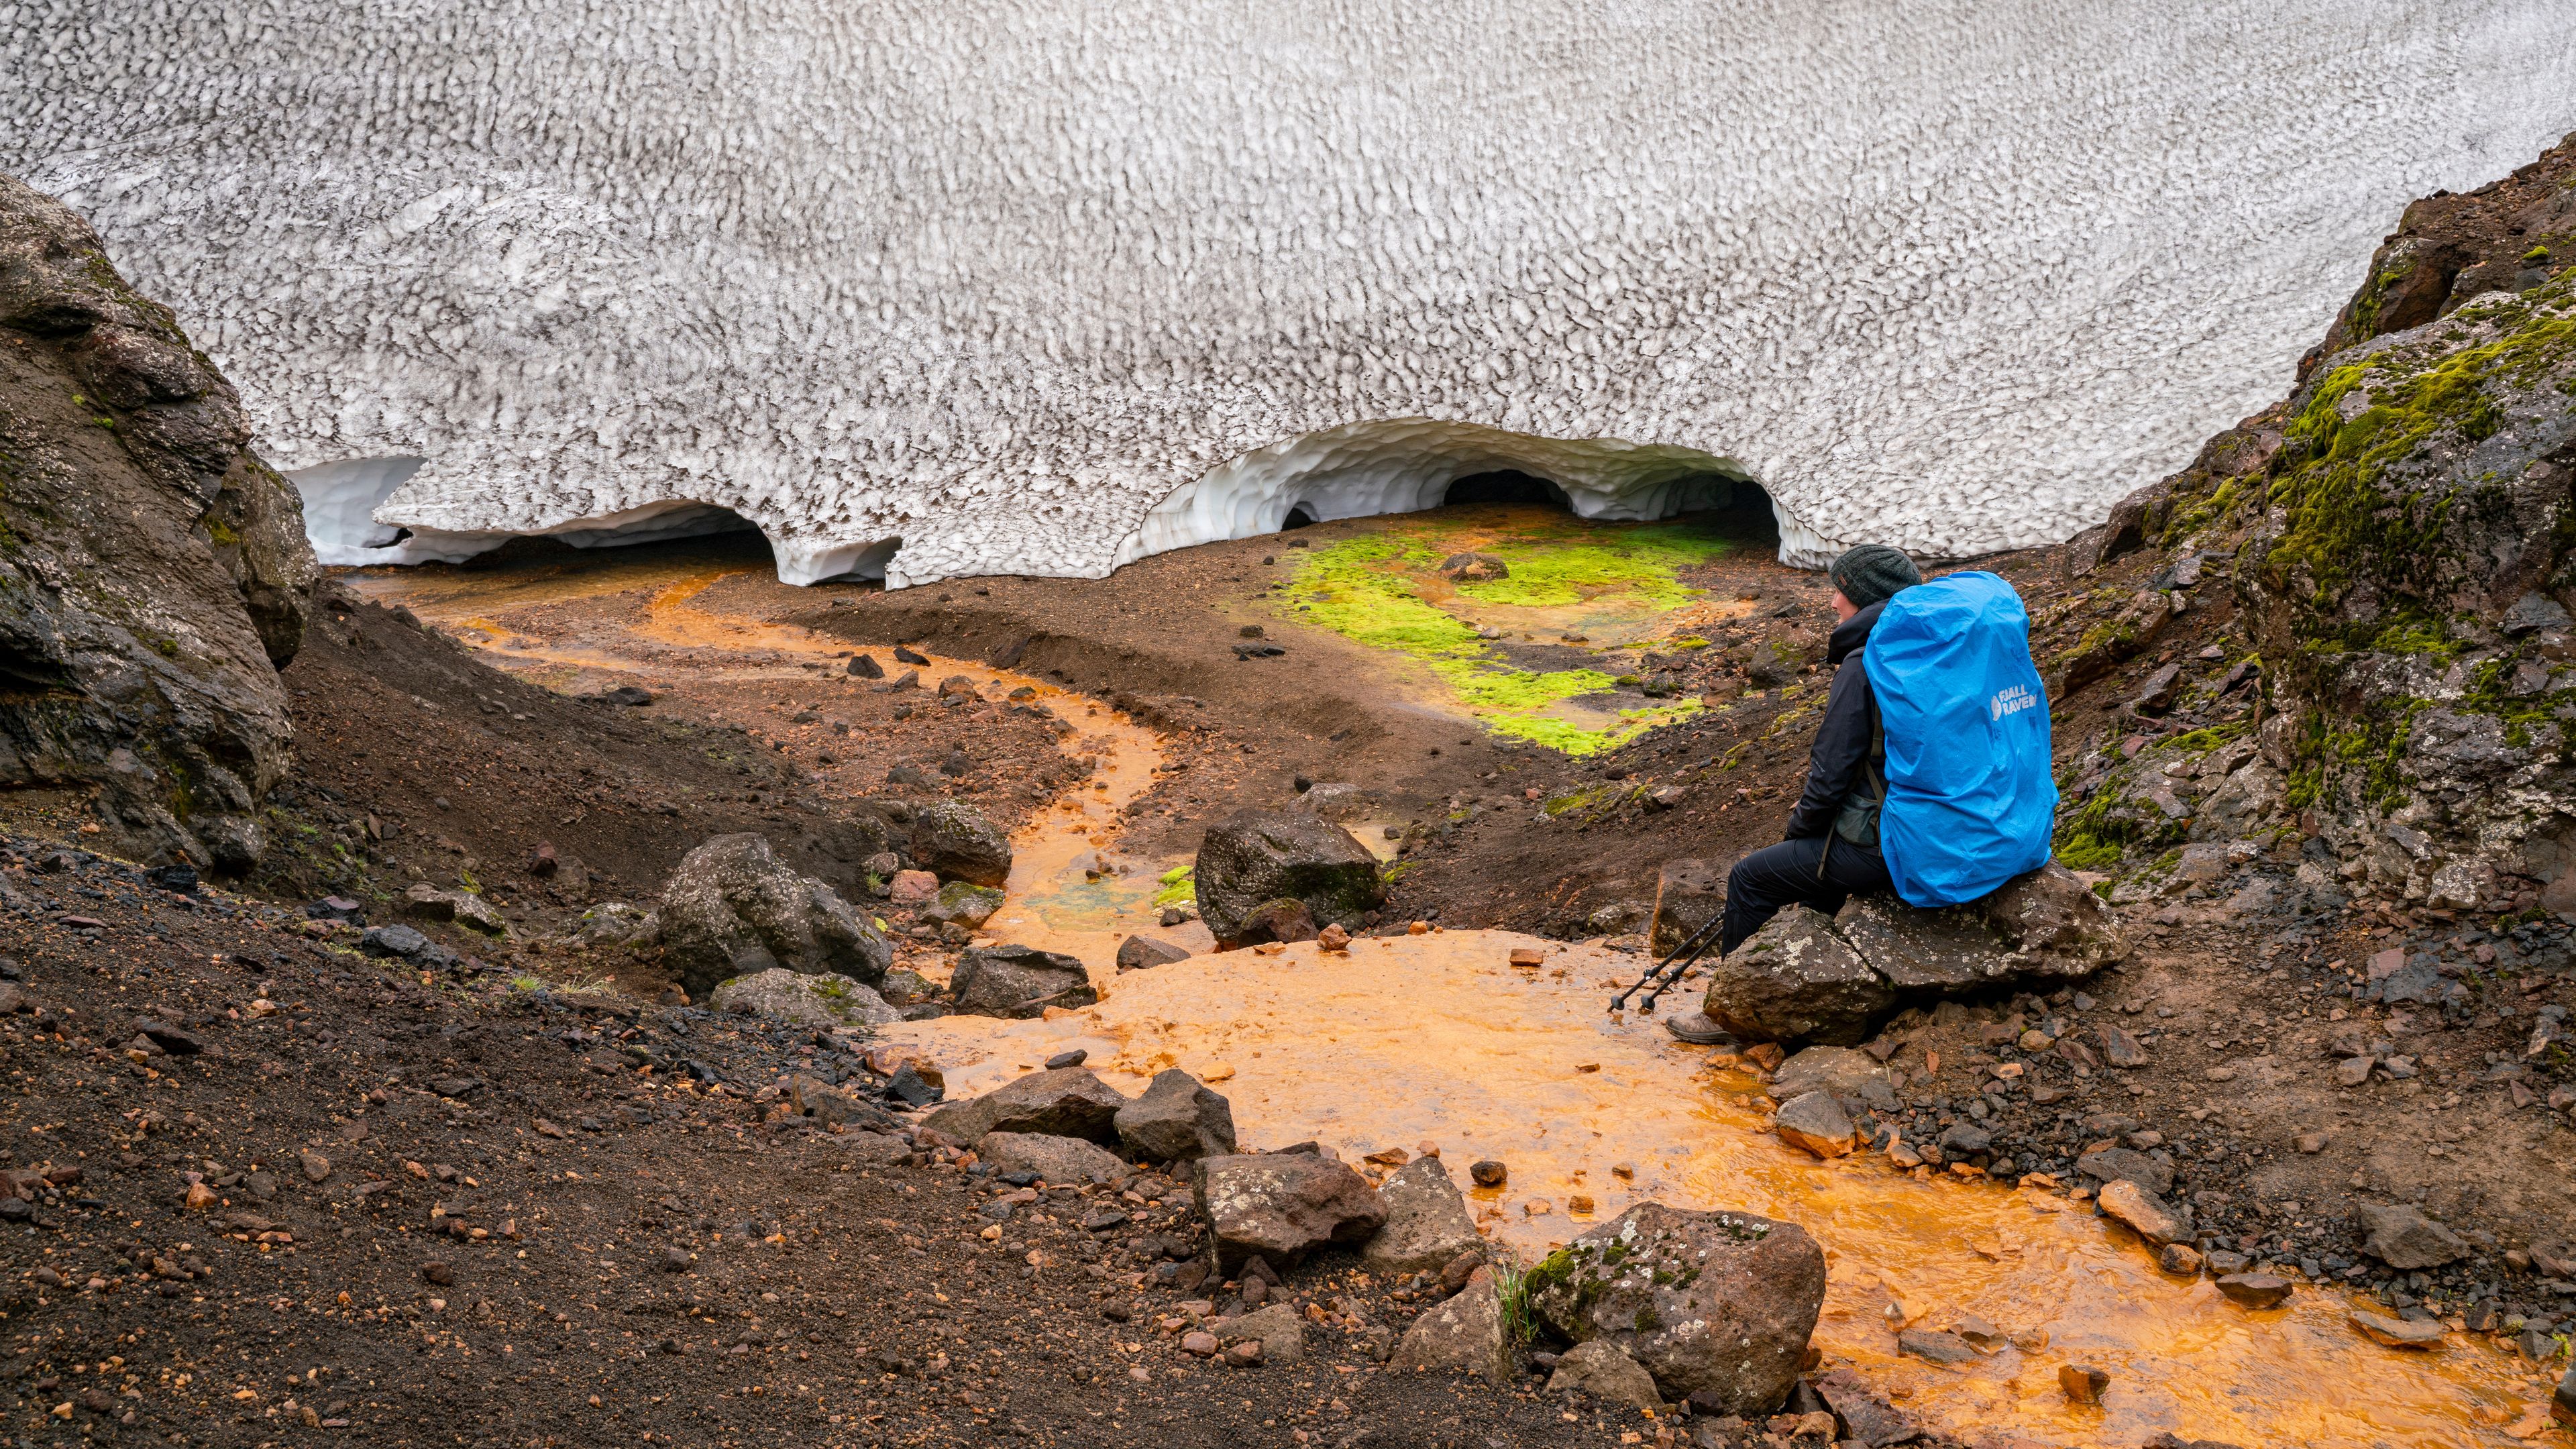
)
(964, 903)
(1714, 1303)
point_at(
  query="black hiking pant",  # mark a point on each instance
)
(1797, 873)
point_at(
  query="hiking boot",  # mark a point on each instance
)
(1696, 1028)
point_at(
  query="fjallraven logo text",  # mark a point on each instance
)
(2011, 699)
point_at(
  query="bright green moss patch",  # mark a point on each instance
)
(1385, 591)
(1179, 887)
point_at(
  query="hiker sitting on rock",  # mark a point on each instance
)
(1832, 849)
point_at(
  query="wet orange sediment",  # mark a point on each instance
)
(1434, 1039)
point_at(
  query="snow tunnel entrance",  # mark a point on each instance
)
(1508, 485)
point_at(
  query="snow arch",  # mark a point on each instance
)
(1035, 288)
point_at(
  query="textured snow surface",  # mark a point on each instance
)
(1038, 287)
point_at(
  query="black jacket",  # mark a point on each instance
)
(1843, 736)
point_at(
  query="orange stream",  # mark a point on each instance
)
(1434, 1040)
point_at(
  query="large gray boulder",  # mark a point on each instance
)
(823, 998)
(154, 575)
(1796, 980)
(1019, 981)
(732, 907)
(953, 840)
(1055, 1160)
(1256, 857)
(1713, 1303)
(1281, 1206)
(1177, 1119)
(1065, 1102)
(1427, 1223)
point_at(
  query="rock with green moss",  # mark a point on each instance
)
(962, 903)
(953, 840)
(1255, 857)
(824, 999)
(1719, 1304)
(153, 570)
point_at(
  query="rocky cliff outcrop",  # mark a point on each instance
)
(2397, 540)
(153, 571)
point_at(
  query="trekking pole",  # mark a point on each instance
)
(1671, 967)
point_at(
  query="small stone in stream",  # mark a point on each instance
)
(963, 903)
(2180, 1258)
(1935, 1346)
(1979, 1333)
(1019, 981)
(2080, 1384)
(1604, 1371)
(317, 1167)
(1142, 953)
(1427, 1223)
(1488, 1173)
(1462, 1334)
(903, 655)
(1281, 1206)
(2255, 1290)
(2396, 1332)
(2220, 1262)
(1333, 938)
(1073, 1058)
(1815, 1124)
(865, 666)
(1868, 1419)
(2142, 1211)
(1176, 1119)
(1527, 956)
(2405, 1239)
(438, 1272)
(2562, 1404)
(676, 1260)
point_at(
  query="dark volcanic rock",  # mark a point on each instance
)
(1255, 857)
(1177, 1119)
(1138, 953)
(732, 907)
(953, 840)
(1711, 1303)
(1019, 981)
(2403, 1238)
(1795, 980)
(153, 571)
(1688, 895)
(1066, 1102)
(1280, 1206)
(1427, 1224)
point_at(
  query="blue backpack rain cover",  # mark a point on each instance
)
(1971, 801)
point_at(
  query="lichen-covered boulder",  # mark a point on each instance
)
(1712, 1303)
(732, 906)
(1796, 980)
(1019, 981)
(1256, 857)
(953, 840)
(1461, 1334)
(822, 998)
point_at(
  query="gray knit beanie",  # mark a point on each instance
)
(1873, 572)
